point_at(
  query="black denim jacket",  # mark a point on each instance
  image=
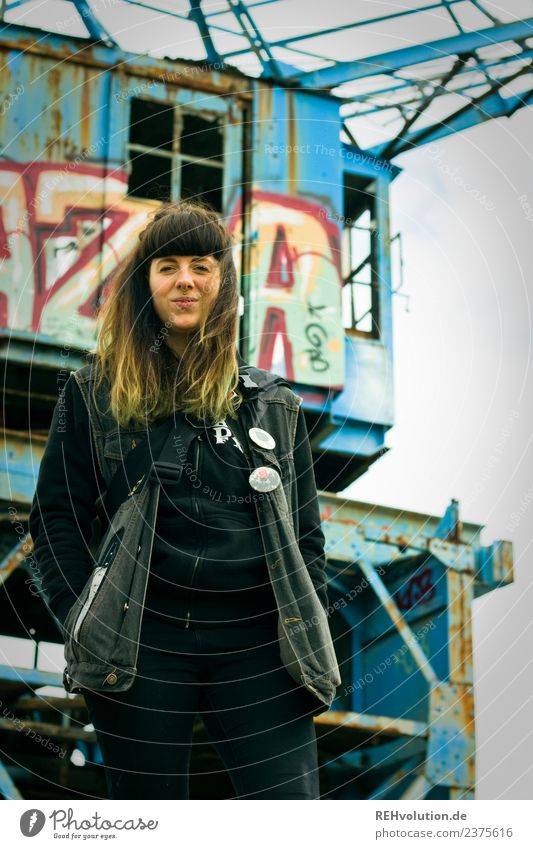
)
(98, 595)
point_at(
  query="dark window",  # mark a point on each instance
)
(201, 137)
(151, 124)
(201, 153)
(170, 158)
(150, 177)
(360, 274)
(199, 181)
(150, 147)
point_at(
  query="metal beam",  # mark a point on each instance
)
(424, 104)
(14, 557)
(419, 789)
(6, 7)
(287, 42)
(30, 678)
(369, 97)
(388, 786)
(257, 43)
(295, 39)
(387, 725)
(249, 5)
(272, 67)
(493, 105)
(95, 29)
(395, 60)
(196, 14)
(398, 620)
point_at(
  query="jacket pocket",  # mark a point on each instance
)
(94, 585)
(117, 446)
(66, 628)
(120, 443)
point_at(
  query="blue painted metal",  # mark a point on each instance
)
(448, 527)
(259, 46)
(486, 108)
(400, 605)
(397, 14)
(395, 60)
(461, 89)
(30, 678)
(432, 84)
(19, 465)
(94, 27)
(196, 14)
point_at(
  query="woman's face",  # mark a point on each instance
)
(179, 286)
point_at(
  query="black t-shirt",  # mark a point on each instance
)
(208, 564)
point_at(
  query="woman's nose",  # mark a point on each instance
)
(184, 275)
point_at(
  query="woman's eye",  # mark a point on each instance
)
(200, 269)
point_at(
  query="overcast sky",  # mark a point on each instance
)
(464, 398)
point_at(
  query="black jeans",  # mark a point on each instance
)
(257, 717)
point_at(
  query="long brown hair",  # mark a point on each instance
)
(146, 379)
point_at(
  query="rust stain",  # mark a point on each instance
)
(460, 597)
(503, 562)
(507, 560)
(351, 522)
(85, 113)
(264, 104)
(189, 75)
(292, 165)
(373, 724)
(8, 86)
(52, 109)
(451, 753)
(465, 717)
(53, 82)
(56, 123)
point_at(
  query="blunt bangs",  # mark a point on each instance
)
(184, 233)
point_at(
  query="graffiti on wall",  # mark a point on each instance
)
(419, 589)
(62, 232)
(295, 321)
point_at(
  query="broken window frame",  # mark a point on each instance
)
(351, 274)
(176, 157)
(208, 162)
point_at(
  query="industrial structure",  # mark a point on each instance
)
(94, 137)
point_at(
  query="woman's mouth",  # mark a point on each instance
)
(184, 302)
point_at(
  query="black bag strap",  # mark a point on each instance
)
(156, 455)
(153, 456)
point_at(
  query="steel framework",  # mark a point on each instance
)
(480, 70)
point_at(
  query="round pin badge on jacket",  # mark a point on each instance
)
(264, 479)
(262, 437)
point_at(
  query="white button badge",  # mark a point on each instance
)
(262, 437)
(264, 479)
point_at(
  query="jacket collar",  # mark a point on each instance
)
(254, 381)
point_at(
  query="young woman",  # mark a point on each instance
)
(226, 613)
